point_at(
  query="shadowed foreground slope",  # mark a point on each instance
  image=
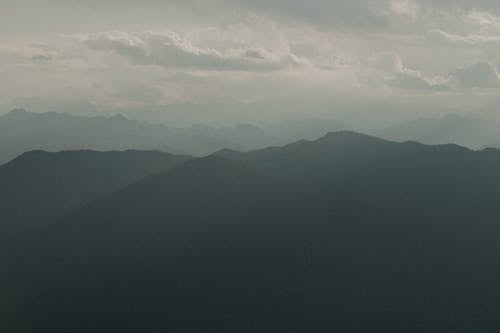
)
(39, 186)
(348, 233)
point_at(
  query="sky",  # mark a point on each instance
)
(218, 61)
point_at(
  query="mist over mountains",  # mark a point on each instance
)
(344, 233)
(475, 133)
(22, 131)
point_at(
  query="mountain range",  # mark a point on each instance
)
(475, 133)
(22, 131)
(346, 233)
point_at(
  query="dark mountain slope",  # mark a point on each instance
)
(348, 233)
(38, 185)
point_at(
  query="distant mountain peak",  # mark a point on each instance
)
(23, 113)
(119, 117)
(225, 152)
(17, 112)
(349, 137)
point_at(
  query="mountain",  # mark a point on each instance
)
(38, 186)
(305, 129)
(22, 131)
(471, 132)
(202, 140)
(347, 233)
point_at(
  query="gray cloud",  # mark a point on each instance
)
(478, 75)
(408, 79)
(359, 14)
(441, 37)
(173, 51)
(397, 75)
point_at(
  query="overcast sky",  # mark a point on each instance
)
(285, 57)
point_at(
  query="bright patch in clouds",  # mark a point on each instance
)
(405, 8)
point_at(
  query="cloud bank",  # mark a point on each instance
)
(170, 50)
(294, 56)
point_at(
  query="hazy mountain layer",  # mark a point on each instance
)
(22, 131)
(471, 132)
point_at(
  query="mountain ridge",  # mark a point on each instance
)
(396, 234)
(52, 184)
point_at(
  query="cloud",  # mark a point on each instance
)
(397, 75)
(354, 14)
(478, 75)
(252, 50)
(405, 8)
(411, 79)
(481, 75)
(170, 50)
(26, 54)
(441, 37)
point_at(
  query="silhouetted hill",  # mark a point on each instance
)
(348, 233)
(37, 185)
